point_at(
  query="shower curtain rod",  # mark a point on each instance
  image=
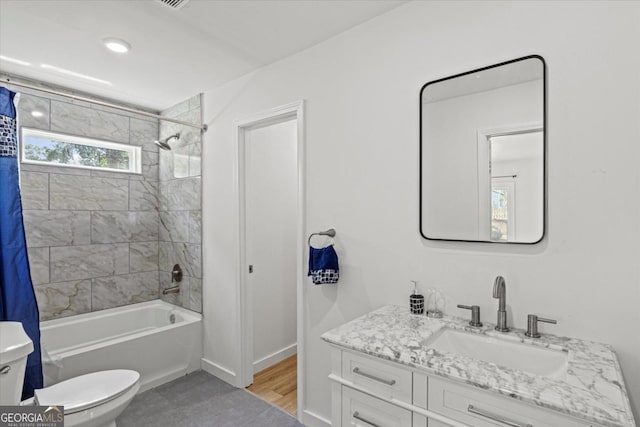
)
(202, 127)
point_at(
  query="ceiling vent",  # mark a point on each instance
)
(173, 4)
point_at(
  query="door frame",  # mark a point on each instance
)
(294, 110)
(483, 171)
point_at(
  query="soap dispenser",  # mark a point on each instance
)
(416, 301)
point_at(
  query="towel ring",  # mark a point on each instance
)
(330, 232)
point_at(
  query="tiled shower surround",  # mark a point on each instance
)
(93, 236)
(180, 205)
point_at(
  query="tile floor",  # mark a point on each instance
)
(199, 400)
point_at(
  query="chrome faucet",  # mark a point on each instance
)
(176, 276)
(500, 292)
(532, 325)
(172, 290)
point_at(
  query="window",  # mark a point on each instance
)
(49, 148)
(502, 210)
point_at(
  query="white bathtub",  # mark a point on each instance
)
(141, 337)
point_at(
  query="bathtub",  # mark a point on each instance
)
(159, 340)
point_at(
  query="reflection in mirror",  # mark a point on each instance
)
(482, 154)
(516, 163)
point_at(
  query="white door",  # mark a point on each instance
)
(271, 220)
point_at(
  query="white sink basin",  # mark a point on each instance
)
(523, 357)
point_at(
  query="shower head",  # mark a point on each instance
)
(164, 143)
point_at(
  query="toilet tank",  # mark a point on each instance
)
(15, 346)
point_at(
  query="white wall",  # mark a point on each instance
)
(271, 206)
(361, 91)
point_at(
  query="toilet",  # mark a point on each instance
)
(91, 400)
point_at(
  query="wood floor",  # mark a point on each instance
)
(278, 384)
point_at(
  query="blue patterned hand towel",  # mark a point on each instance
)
(323, 265)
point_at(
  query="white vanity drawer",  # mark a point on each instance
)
(382, 378)
(481, 409)
(359, 409)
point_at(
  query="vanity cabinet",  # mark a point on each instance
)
(371, 392)
(359, 408)
(378, 377)
(477, 408)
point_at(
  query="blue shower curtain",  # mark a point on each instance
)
(17, 297)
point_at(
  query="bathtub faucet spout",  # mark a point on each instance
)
(173, 290)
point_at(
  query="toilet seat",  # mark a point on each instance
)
(87, 391)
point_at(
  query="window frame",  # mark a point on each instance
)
(134, 151)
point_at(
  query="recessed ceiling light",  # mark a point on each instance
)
(116, 45)
(14, 60)
(36, 113)
(74, 74)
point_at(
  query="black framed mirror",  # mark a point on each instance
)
(483, 155)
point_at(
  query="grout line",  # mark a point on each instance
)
(91, 227)
(49, 264)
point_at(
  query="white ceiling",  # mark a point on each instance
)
(176, 53)
(480, 81)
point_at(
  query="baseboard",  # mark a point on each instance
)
(220, 371)
(275, 357)
(310, 419)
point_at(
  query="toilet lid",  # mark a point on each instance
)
(86, 391)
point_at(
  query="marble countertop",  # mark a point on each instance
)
(593, 389)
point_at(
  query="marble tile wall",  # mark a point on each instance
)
(180, 219)
(92, 236)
